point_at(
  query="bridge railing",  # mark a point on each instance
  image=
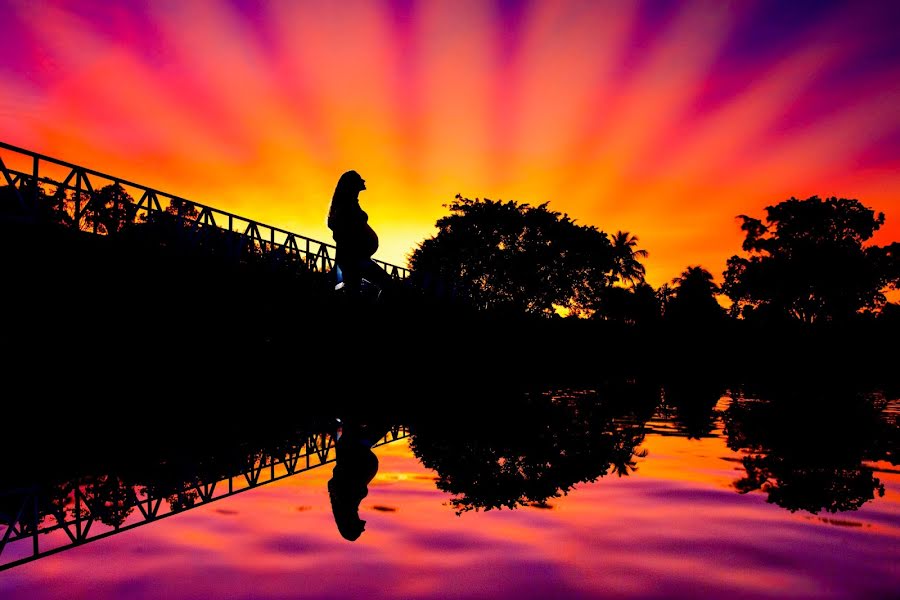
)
(103, 204)
(44, 520)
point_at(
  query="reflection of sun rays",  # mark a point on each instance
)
(619, 120)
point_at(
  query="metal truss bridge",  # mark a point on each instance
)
(40, 521)
(76, 201)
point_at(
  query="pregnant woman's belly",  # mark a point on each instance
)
(362, 243)
(370, 241)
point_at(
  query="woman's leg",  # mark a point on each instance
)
(372, 273)
(352, 278)
(350, 274)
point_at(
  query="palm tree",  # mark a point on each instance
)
(695, 296)
(696, 278)
(627, 267)
(664, 295)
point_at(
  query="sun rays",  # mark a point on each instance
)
(621, 118)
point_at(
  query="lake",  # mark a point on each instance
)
(680, 493)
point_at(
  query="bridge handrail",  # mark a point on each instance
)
(152, 194)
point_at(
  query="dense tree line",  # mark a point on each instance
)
(807, 261)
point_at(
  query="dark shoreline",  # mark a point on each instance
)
(119, 316)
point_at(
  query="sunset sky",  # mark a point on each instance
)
(666, 119)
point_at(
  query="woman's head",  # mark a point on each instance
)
(350, 184)
(345, 196)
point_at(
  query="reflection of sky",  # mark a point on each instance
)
(673, 529)
(666, 119)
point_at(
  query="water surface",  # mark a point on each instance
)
(679, 514)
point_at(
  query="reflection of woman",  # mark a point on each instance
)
(356, 241)
(355, 466)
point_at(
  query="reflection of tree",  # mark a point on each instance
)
(110, 499)
(694, 402)
(546, 446)
(182, 500)
(834, 489)
(806, 449)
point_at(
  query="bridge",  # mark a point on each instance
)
(76, 202)
(43, 520)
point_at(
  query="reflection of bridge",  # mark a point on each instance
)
(76, 200)
(77, 513)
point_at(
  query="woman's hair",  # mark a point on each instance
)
(345, 194)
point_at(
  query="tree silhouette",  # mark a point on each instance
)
(664, 295)
(887, 260)
(638, 305)
(626, 266)
(694, 402)
(807, 262)
(505, 255)
(173, 227)
(694, 298)
(110, 209)
(183, 209)
(49, 208)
